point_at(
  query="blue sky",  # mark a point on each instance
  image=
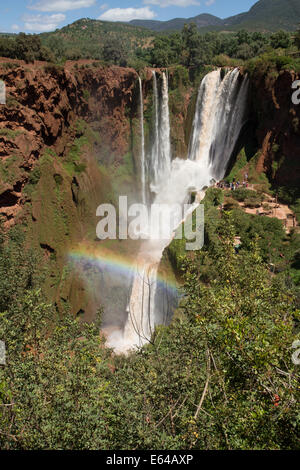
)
(34, 16)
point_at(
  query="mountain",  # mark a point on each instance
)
(85, 37)
(204, 20)
(265, 15)
(268, 15)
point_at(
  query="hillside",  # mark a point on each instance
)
(268, 15)
(90, 35)
(265, 15)
(203, 20)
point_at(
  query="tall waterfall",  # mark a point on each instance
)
(164, 163)
(143, 161)
(160, 161)
(155, 148)
(219, 117)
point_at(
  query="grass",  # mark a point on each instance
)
(11, 134)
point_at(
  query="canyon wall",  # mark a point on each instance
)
(70, 140)
(64, 132)
(276, 124)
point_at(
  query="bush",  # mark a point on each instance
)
(230, 204)
(252, 203)
(240, 194)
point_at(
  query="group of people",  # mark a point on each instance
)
(232, 186)
(235, 184)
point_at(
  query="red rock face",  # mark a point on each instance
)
(43, 102)
(278, 128)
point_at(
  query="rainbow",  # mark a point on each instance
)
(113, 262)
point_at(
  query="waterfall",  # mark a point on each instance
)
(165, 131)
(143, 161)
(155, 148)
(219, 117)
(160, 161)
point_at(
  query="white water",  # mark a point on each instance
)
(143, 162)
(164, 163)
(219, 118)
(154, 163)
(161, 158)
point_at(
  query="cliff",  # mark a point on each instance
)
(70, 140)
(276, 122)
(64, 132)
(44, 105)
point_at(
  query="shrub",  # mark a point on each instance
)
(230, 204)
(253, 203)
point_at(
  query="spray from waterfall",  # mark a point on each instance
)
(219, 118)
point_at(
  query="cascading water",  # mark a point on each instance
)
(154, 162)
(160, 161)
(219, 118)
(143, 161)
(164, 163)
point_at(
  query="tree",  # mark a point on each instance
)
(244, 52)
(243, 37)
(161, 52)
(191, 44)
(115, 52)
(281, 39)
(8, 47)
(53, 386)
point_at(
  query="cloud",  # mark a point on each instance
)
(42, 23)
(127, 14)
(15, 27)
(172, 3)
(209, 2)
(104, 6)
(61, 5)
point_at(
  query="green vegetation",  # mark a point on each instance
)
(192, 49)
(128, 45)
(25, 47)
(4, 131)
(220, 377)
(274, 244)
(111, 43)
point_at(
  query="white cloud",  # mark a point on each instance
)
(104, 6)
(209, 2)
(61, 5)
(15, 27)
(172, 3)
(42, 23)
(127, 14)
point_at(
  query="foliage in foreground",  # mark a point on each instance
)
(219, 377)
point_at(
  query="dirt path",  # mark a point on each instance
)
(272, 208)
